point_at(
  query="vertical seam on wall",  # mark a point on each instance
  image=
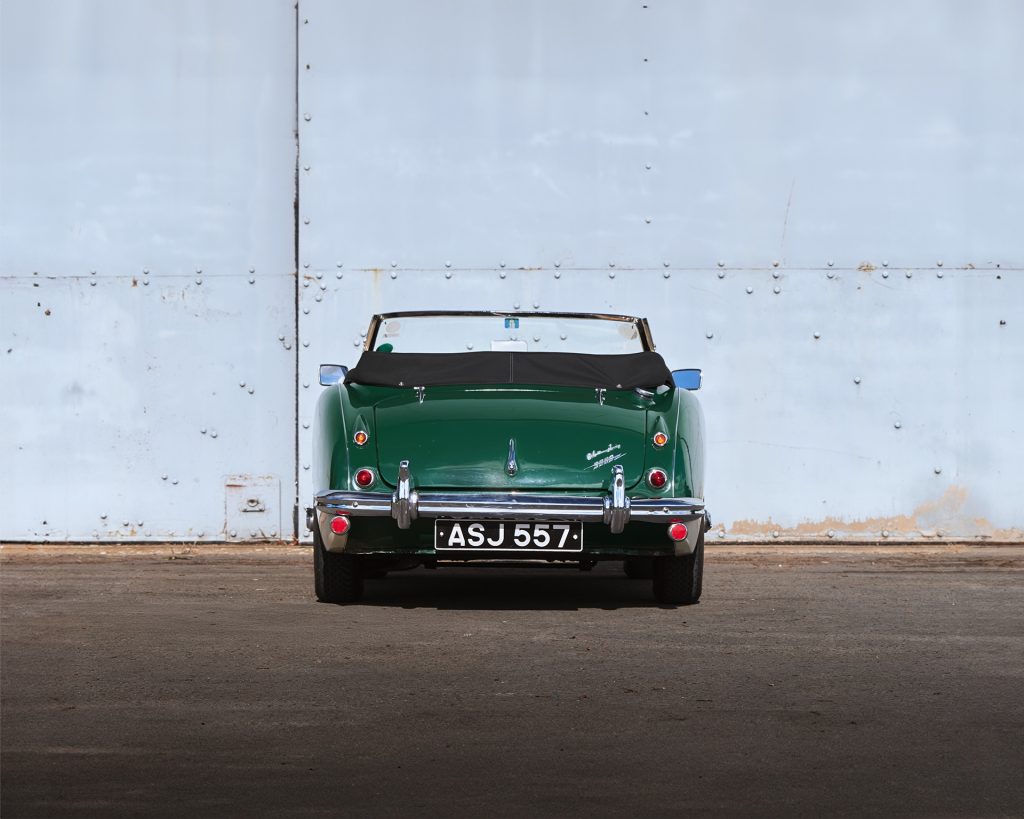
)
(298, 344)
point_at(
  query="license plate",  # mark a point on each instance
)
(508, 536)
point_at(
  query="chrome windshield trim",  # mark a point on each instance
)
(641, 323)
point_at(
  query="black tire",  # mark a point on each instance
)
(639, 568)
(336, 577)
(679, 580)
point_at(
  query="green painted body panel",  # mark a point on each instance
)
(458, 438)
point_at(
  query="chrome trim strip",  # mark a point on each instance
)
(588, 509)
(641, 323)
(404, 501)
(616, 505)
(511, 465)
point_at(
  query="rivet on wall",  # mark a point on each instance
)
(750, 290)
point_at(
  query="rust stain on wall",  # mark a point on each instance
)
(947, 516)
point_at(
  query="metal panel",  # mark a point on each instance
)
(146, 134)
(147, 161)
(128, 400)
(850, 404)
(537, 132)
(816, 204)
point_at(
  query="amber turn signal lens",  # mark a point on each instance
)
(365, 477)
(657, 478)
(340, 524)
(660, 439)
(360, 438)
(676, 531)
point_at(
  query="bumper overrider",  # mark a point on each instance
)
(406, 504)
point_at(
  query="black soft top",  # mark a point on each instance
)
(616, 372)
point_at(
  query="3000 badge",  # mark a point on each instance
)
(514, 536)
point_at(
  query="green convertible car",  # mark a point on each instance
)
(540, 438)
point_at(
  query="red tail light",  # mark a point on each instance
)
(677, 531)
(365, 478)
(340, 525)
(657, 478)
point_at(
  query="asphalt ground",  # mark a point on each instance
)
(807, 682)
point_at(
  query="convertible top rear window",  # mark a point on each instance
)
(616, 372)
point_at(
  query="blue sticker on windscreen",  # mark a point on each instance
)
(512, 323)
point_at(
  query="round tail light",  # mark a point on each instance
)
(676, 531)
(340, 525)
(660, 439)
(360, 438)
(365, 478)
(657, 478)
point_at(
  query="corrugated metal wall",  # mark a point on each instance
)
(816, 204)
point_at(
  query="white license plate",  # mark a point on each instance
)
(508, 536)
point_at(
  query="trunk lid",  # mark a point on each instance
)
(458, 437)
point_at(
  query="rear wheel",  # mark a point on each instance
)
(679, 579)
(336, 577)
(639, 568)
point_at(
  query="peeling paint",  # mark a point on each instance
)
(945, 517)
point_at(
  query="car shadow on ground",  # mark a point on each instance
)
(501, 589)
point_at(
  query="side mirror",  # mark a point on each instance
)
(686, 379)
(332, 374)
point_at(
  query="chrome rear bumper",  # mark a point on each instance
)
(406, 504)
